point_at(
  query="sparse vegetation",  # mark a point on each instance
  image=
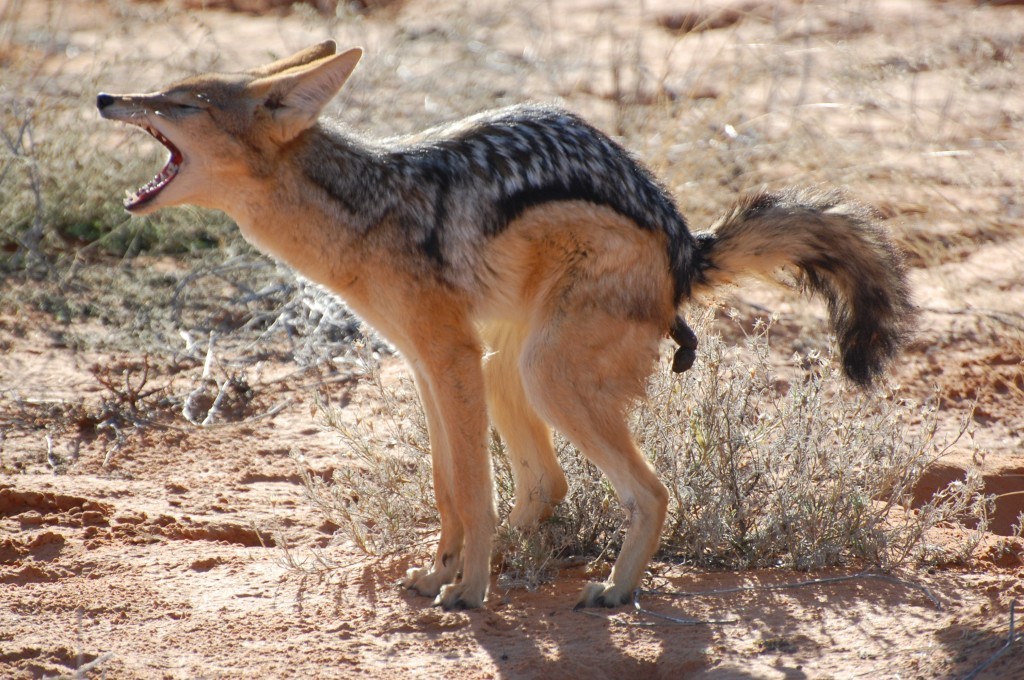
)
(763, 472)
(913, 107)
(384, 501)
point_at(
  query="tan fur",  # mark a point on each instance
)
(567, 303)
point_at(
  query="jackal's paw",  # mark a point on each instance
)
(424, 581)
(459, 596)
(604, 595)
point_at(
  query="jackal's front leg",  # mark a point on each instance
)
(451, 386)
(448, 557)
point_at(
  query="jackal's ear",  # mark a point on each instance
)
(301, 58)
(295, 97)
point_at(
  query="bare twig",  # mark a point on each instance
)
(51, 458)
(119, 440)
(684, 621)
(84, 670)
(190, 407)
(1011, 638)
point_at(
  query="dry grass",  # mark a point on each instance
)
(762, 472)
(384, 500)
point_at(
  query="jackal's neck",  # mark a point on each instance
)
(313, 206)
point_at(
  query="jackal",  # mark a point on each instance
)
(523, 263)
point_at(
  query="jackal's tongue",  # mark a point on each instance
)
(163, 178)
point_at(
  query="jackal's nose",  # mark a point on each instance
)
(104, 100)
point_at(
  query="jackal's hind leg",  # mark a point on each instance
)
(539, 481)
(582, 374)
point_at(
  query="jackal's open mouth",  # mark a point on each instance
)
(147, 193)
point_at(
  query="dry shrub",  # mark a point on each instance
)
(323, 7)
(802, 473)
(762, 472)
(382, 497)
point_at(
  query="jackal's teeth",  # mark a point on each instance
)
(170, 170)
(155, 185)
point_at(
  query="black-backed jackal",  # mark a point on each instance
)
(522, 235)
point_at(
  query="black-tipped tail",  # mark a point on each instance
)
(837, 250)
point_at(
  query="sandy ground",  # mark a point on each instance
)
(153, 549)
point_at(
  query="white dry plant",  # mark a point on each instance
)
(762, 472)
(802, 473)
(317, 324)
(381, 496)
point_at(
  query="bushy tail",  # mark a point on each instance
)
(837, 251)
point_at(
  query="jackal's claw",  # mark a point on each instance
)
(458, 597)
(603, 595)
(424, 581)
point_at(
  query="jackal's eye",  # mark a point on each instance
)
(273, 103)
